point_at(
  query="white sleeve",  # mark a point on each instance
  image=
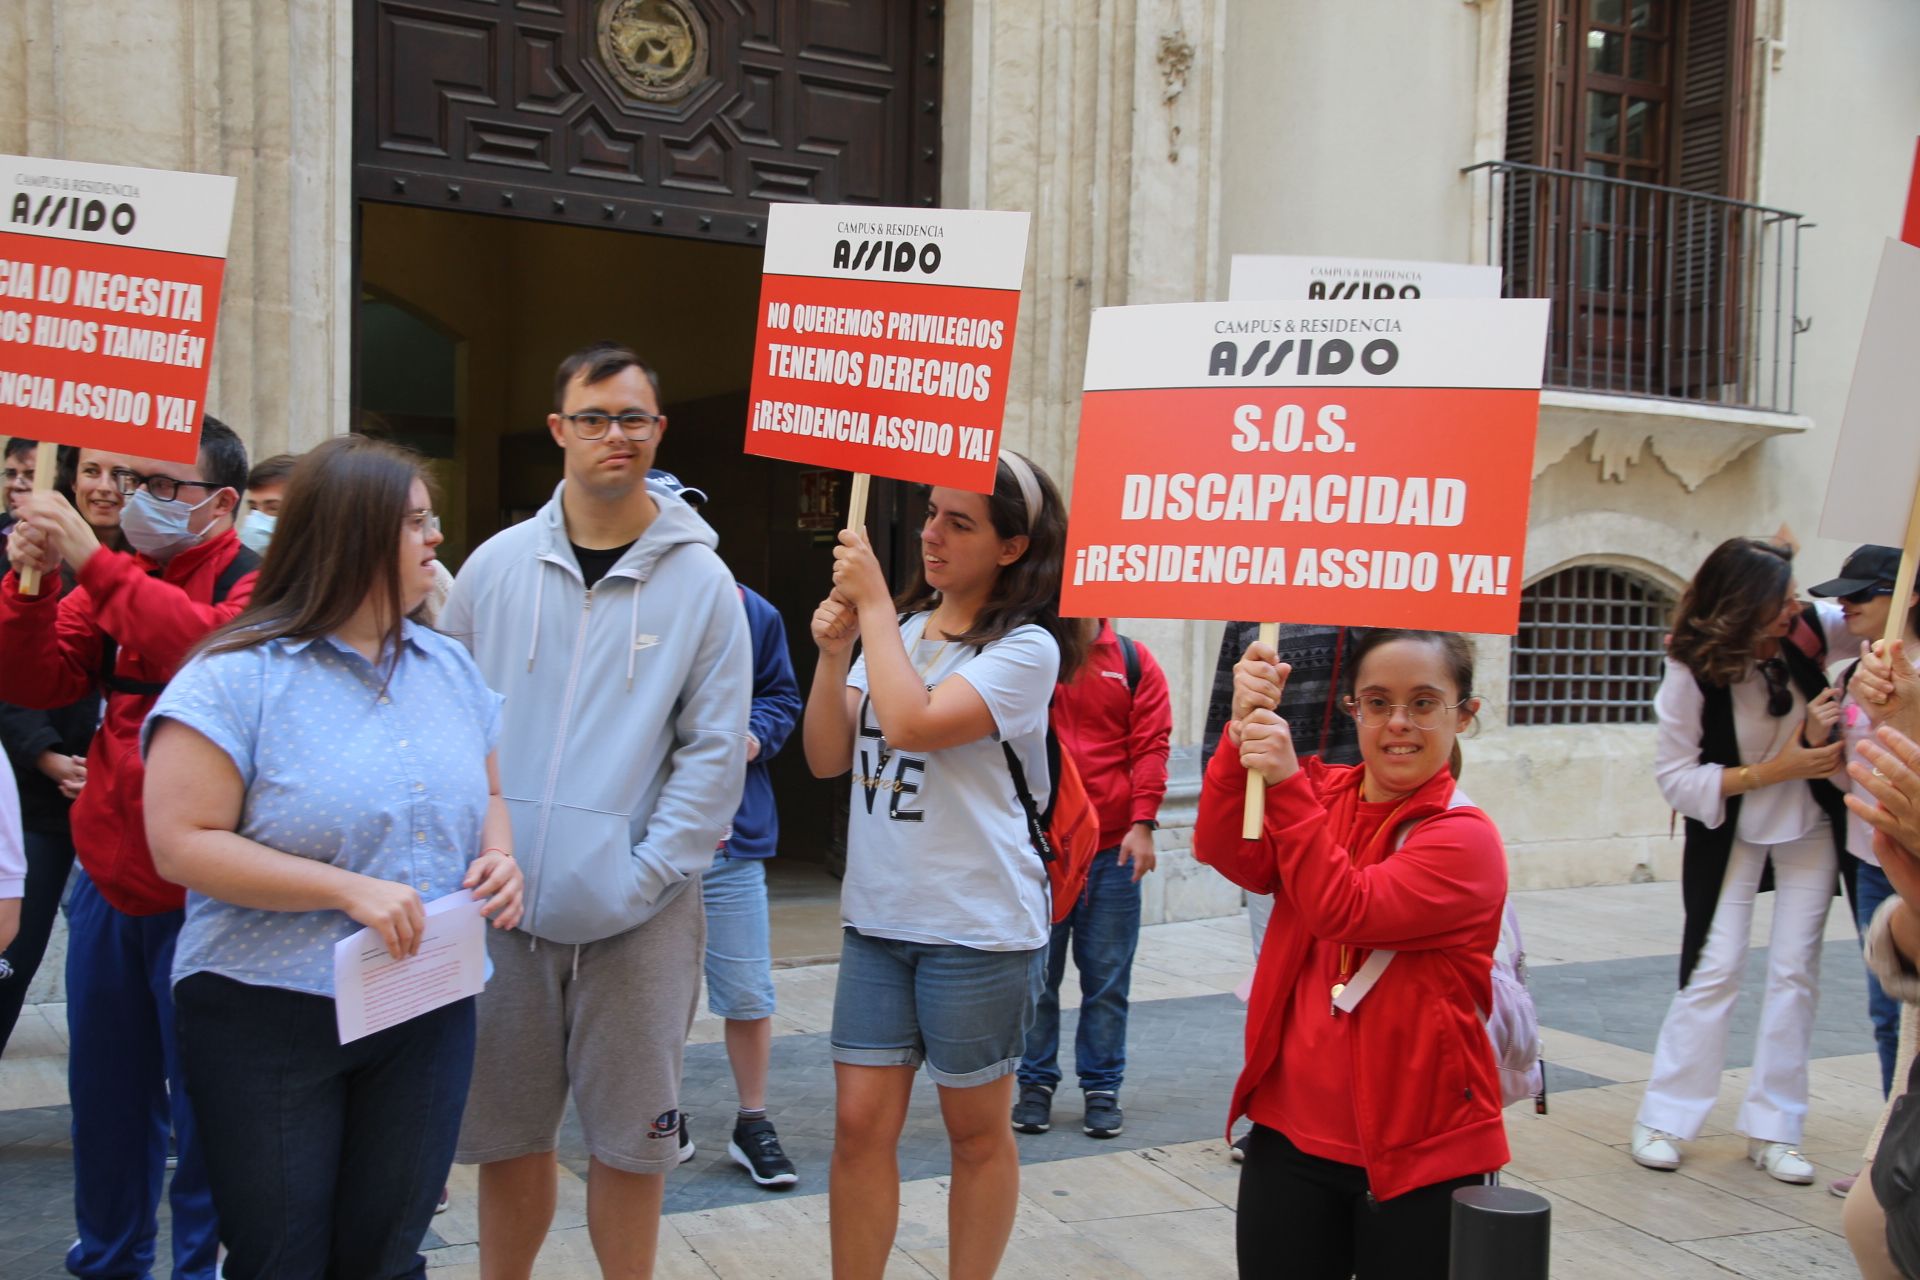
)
(1015, 676)
(1690, 787)
(13, 848)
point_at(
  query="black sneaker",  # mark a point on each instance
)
(1034, 1112)
(1103, 1116)
(755, 1147)
(686, 1143)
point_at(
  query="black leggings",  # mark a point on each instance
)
(49, 859)
(1307, 1218)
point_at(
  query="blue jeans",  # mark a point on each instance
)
(124, 1076)
(1871, 888)
(326, 1159)
(739, 939)
(1103, 931)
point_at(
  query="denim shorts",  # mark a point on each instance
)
(962, 1011)
(739, 943)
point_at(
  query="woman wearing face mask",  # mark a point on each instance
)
(1747, 755)
(945, 900)
(1373, 1091)
(324, 764)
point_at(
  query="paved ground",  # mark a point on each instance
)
(1158, 1200)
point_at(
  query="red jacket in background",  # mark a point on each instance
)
(1424, 1090)
(1117, 738)
(50, 655)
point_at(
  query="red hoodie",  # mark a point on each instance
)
(50, 655)
(1422, 1090)
(1117, 737)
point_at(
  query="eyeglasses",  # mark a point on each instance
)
(1779, 696)
(637, 427)
(1422, 713)
(1865, 595)
(423, 521)
(165, 488)
(17, 475)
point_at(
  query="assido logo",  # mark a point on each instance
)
(900, 256)
(71, 213)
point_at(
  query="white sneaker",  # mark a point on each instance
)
(1654, 1148)
(1780, 1161)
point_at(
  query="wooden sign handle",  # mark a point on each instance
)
(1903, 583)
(1256, 811)
(857, 500)
(46, 460)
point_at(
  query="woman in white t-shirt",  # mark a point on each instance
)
(944, 906)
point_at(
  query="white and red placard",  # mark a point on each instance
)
(1259, 277)
(1364, 464)
(109, 293)
(1876, 462)
(886, 340)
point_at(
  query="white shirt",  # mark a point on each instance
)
(1768, 815)
(937, 846)
(13, 849)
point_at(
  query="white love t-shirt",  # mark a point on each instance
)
(937, 847)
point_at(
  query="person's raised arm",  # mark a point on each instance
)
(826, 734)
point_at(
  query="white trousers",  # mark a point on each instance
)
(1693, 1039)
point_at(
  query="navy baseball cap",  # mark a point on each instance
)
(698, 497)
(1867, 567)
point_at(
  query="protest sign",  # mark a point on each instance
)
(1873, 490)
(109, 292)
(1272, 277)
(1910, 227)
(886, 340)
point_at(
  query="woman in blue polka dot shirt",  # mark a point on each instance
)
(324, 763)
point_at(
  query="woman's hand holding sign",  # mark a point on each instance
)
(857, 578)
(1266, 745)
(1258, 679)
(1887, 686)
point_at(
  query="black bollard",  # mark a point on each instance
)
(1499, 1233)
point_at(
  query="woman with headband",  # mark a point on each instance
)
(945, 901)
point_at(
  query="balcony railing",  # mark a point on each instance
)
(1656, 291)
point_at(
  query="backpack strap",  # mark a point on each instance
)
(244, 562)
(1036, 829)
(1130, 655)
(1362, 982)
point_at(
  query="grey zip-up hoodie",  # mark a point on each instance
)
(623, 748)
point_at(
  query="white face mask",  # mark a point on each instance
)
(257, 532)
(160, 530)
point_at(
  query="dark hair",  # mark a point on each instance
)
(600, 361)
(223, 459)
(1738, 590)
(334, 546)
(66, 462)
(1028, 590)
(271, 471)
(19, 444)
(1455, 649)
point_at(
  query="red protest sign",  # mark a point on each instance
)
(886, 340)
(1366, 464)
(109, 292)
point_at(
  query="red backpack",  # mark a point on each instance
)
(1067, 834)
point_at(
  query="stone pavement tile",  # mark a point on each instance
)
(37, 1081)
(1204, 1166)
(1568, 1216)
(568, 1255)
(1811, 1205)
(1595, 1057)
(783, 1253)
(1721, 1162)
(1614, 922)
(460, 1224)
(1804, 1253)
(1543, 1149)
(1194, 1244)
(1069, 1257)
(1621, 1253)
(1606, 1114)
(1669, 1207)
(1116, 1186)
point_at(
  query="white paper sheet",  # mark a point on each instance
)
(373, 991)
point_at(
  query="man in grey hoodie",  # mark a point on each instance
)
(617, 637)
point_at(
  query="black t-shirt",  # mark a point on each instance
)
(595, 563)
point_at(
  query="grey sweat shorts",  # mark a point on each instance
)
(608, 1019)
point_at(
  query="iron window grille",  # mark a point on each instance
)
(1590, 648)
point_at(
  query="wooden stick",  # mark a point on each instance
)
(1256, 813)
(46, 460)
(857, 501)
(1903, 583)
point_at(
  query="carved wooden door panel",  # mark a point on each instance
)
(679, 116)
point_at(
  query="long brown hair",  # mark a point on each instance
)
(1739, 589)
(1028, 590)
(335, 546)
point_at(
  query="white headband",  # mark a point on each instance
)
(1029, 485)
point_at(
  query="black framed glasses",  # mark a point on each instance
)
(1779, 696)
(1423, 713)
(637, 427)
(165, 488)
(1866, 595)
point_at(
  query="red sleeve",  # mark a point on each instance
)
(49, 645)
(1149, 727)
(1438, 890)
(1216, 830)
(156, 619)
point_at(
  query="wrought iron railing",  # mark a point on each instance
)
(1656, 291)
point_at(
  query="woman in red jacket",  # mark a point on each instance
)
(1372, 1089)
